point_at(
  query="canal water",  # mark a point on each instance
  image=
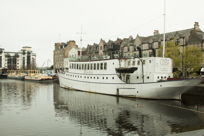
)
(42, 109)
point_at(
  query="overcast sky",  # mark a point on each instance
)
(41, 23)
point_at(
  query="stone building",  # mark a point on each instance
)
(24, 59)
(140, 46)
(61, 51)
(149, 45)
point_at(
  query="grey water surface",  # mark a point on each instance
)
(45, 109)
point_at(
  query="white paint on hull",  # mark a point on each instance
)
(157, 90)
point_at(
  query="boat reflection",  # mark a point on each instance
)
(121, 116)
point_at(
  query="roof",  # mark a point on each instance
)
(170, 35)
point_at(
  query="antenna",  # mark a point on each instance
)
(59, 36)
(164, 14)
(81, 36)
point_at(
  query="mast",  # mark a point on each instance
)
(164, 14)
(81, 40)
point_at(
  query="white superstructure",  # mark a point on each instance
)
(202, 72)
(136, 77)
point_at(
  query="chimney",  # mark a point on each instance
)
(196, 26)
(156, 32)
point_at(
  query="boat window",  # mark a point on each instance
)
(101, 66)
(85, 66)
(82, 66)
(143, 61)
(94, 66)
(87, 77)
(150, 61)
(162, 77)
(137, 77)
(91, 66)
(147, 77)
(91, 77)
(106, 77)
(94, 77)
(133, 63)
(112, 77)
(103, 78)
(84, 76)
(77, 66)
(88, 66)
(128, 63)
(97, 77)
(158, 77)
(105, 66)
(97, 66)
(138, 62)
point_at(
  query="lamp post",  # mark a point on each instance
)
(183, 57)
(142, 69)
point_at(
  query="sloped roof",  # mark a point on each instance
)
(170, 35)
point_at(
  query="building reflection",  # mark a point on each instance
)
(17, 92)
(119, 116)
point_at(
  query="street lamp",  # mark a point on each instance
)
(142, 61)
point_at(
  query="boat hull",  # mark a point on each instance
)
(158, 90)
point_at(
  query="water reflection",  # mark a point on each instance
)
(123, 116)
(29, 108)
(17, 92)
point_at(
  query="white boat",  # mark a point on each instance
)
(202, 74)
(136, 77)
